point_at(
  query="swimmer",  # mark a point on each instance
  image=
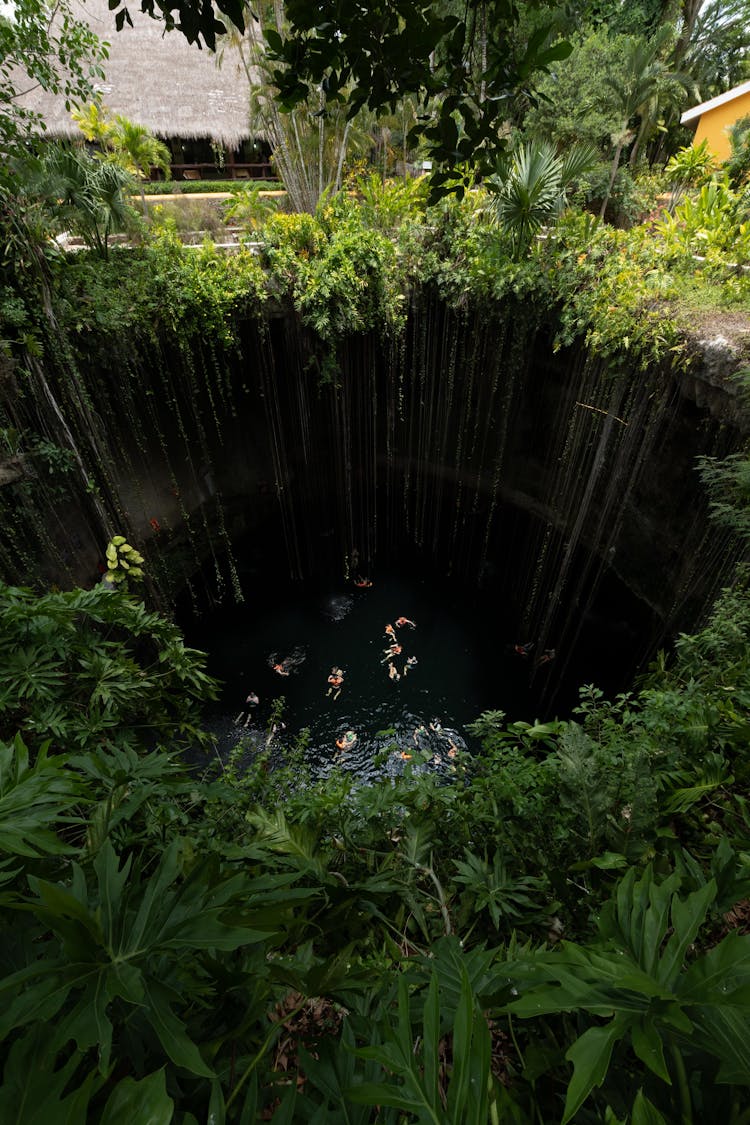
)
(392, 673)
(391, 632)
(547, 656)
(401, 621)
(335, 679)
(392, 650)
(525, 649)
(279, 666)
(348, 739)
(410, 662)
(363, 583)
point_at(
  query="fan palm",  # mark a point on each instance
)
(88, 195)
(531, 188)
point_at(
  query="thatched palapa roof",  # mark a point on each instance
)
(159, 80)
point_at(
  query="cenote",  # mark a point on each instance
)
(462, 653)
(497, 488)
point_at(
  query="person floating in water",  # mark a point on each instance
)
(411, 661)
(363, 583)
(391, 632)
(281, 667)
(390, 652)
(392, 672)
(547, 657)
(287, 664)
(524, 650)
(346, 740)
(335, 679)
(401, 621)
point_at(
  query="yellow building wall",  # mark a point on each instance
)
(712, 126)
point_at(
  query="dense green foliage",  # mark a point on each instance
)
(553, 932)
(61, 55)
(352, 267)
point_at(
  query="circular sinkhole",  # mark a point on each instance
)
(412, 705)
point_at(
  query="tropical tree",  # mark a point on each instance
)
(530, 188)
(645, 84)
(574, 98)
(43, 45)
(716, 53)
(86, 195)
(311, 140)
(124, 142)
(464, 65)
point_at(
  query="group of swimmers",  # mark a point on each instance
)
(421, 735)
(395, 648)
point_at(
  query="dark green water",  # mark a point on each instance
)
(465, 665)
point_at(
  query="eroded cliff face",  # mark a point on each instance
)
(469, 444)
(719, 352)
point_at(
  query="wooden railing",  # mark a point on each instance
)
(239, 171)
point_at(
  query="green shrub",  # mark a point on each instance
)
(198, 187)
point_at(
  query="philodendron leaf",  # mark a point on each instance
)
(33, 1088)
(590, 1055)
(720, 976)
(145, 1102)
(687, 917)
(33, 800)
(648, 1046)
(645, 1112)
(217, 1112)
(172, 1034)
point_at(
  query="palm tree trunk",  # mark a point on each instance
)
(639, 140)
(342, 155)
(610, 185)
(321, 144)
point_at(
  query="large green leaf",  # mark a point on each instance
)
(33, 798)
(37, 1091)
(644, 1112)
(145, 1102)
(720, 975)
(134, 938)
(590, 1055)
